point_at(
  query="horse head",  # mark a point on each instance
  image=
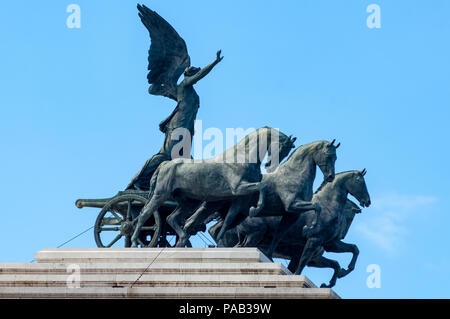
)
(356, 186)
(279, 149)
(325, 157)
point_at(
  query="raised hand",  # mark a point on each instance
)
(218, 57)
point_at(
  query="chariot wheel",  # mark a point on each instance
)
(115, 223)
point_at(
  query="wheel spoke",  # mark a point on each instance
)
(129, 210)
(110, 221)
(110, 229)
(154, 227)
(114, 240)
(120, 218)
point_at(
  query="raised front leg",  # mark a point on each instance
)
(338, 246)
(244, 189)
(299, 206)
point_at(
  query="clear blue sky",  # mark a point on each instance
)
(77, 121)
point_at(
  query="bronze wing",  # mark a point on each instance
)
(167, 57)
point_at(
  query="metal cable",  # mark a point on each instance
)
(68, 241)
(142, 273)
(204, 242)
(170, 242)
(205, 237)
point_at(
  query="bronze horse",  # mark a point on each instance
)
(234, 174)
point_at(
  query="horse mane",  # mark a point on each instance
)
(305, 150)
(284, 139)
(244, 148)
(245, 140)
(324, 182)
(254, 136)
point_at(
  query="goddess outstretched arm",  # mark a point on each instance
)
(203, 72)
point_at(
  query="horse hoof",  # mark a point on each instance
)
(342, 273)
(181, 243)
(323, 286)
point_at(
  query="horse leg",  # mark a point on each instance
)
(338, 246)
(214, 230)
(229, 218)
(294, 262)
(323, 262)
(308, 252)
(205, 209)
(241, 236)
(252, 239)
(153, 204)
(254, 211)
(300, 206)
(176, 218)
(246, 189)
(287, 221)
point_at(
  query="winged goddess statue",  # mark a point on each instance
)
(168, 59)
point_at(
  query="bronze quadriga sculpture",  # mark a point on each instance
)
(175, 195)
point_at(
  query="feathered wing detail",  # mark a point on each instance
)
(167, 57)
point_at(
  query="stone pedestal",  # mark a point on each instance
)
(154, 273)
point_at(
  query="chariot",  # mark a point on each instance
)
(116, 221)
